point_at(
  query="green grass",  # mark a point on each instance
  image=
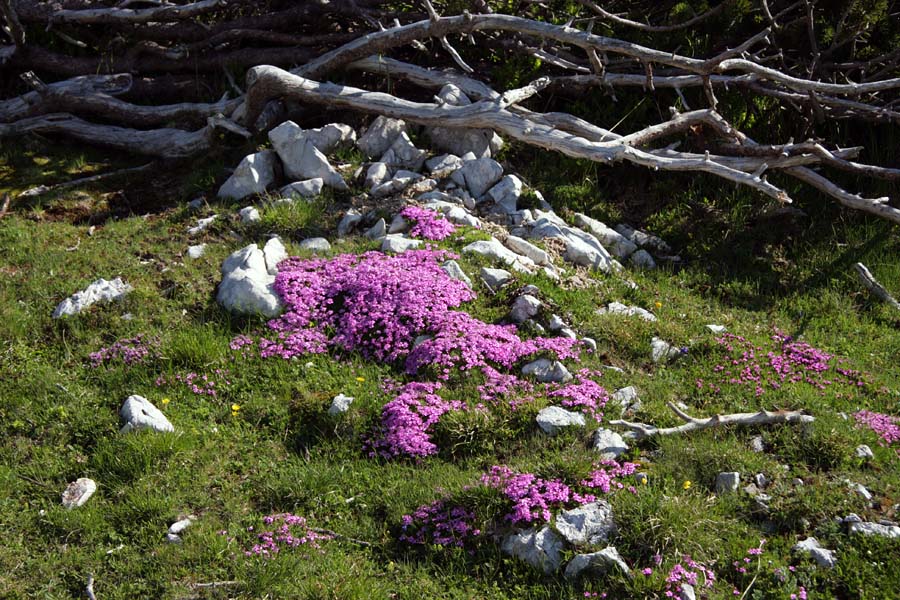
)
(282, 453)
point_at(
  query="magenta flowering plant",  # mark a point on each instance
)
(428, 224)
(129, 351)
(282, 532)
(688, 571)
(441, 524)
(207, 384)
(406, 422)
(534, 498)
(584, 394)
(786, 362)
(886, 426)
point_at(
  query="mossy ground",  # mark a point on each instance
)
(280, 453)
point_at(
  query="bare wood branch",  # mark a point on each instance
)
(8, 9)
(655, 28)
(44, 189)
(89, 589)
(168, 12)
(642, 430)
(880, 292)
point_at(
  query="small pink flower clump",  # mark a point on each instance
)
(289, 531)
(130, 351)
(533, 497)
(202, 385)
(439, 524)
(886, 426)
(429, 224)
(407, 419)
(787, 362)
(585, 394)
(687, 571)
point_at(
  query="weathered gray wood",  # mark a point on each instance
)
(868, 280)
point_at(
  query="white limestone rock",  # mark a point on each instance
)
(459, 141)
(249, 215)
(524, 307)
(617, 308)
(377, 231)
(397, 244)
(78, 492)
(202, 225)
(404, 154)
(583, 253)
(100, 290)
(599, 562)
(506, 193)
(864, 528)
(810, 546)
(495, 278)
(398, 225)
(526, 248)
(609, 444)
(627, 398)
(540, 548)
(643, 260)
(139, 413)
(348, 222)
(478, 175)
(452, 268)
(554, 419)
(644, 240)
(717, 329)
(195, 252)
(864, 452)
(380, 135)
(377, 174)
(662, 351)
(728, 482)
(274, 252)
(316, 244)
(307, 162)
(493, 249)
(339, 405)
(288, 137)
(399, 182)
(443, 166)
(615, 242)
(308, 188)
(253, 175)
(591, 523)
(247, 286)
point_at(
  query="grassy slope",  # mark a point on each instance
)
(58, 418)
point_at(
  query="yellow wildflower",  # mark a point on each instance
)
(235, 407)
(165, 401)
(686, 485)
(658, 304)
(360, 379)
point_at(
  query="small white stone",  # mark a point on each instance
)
(248, 215)
(495, 278)
(139, 413)
(717, 329)
(197, 251)
(397, 244)
(728, 482)
(78, 492)
(553, 419)
(452, 268)
(340, 404)
(525, 307)
(202, 225)
(316, 244)
(609, 444)
(377, 231)
(863, 451)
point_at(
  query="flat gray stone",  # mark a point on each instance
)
(617, 308)
(553, 419)
(403, 154)
(728, 482)
(202, 225)
(591, 523)
(308, 188)
(644, 240)
(397, 244)
(307, 162)
(100, 290)
(377, 174)
(288, 137)
(526, 248)
(642, 260)
(810, 546)
(253, 175)
(540, 548)
(493, 249)
(617, 244)
(609, 444)
(195, 252)
(316, 244)
(398, 225)
(495, 278)
(863, 451)
(78, 492)
(443, 166)
(601, 562)
(139, 413)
